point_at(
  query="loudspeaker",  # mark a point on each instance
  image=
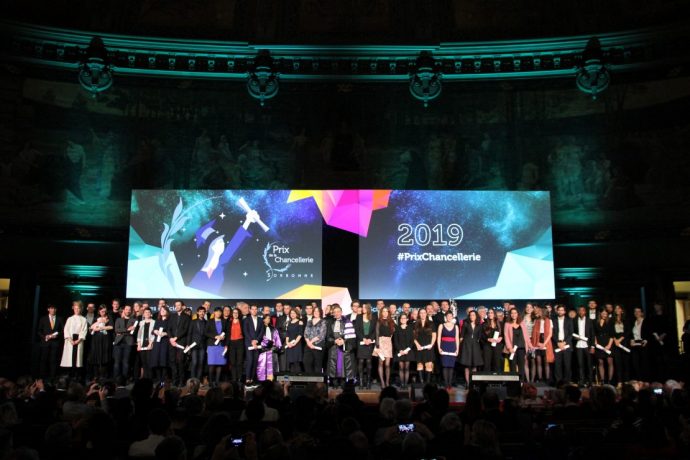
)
(505, 385)
(299, 379)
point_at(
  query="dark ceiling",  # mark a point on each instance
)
(349, 21)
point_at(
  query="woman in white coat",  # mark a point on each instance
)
(75, 334)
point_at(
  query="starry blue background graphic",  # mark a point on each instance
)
(493, 223)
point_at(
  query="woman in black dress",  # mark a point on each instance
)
(403, 346)
(293, 342)
(424, 340)
(471, 352)
(159, 355)
(492, 343)
(101, 343)
(365, 328)
(622, 332)
(603, 341)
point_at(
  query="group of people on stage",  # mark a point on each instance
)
(541, 343)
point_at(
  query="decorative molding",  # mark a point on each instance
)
(536, 58)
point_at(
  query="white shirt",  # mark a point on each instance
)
(592, 314)
(581, 332)
(267, 334)
(637, 330)
(561, 329)
(541, 327)
(255, 321)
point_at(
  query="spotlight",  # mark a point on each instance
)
(262, 79)
(95, 74)
(425, 79)
(592, 75)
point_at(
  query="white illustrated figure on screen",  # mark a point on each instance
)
(211, 276)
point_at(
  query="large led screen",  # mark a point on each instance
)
(458, 244)
(228, 244)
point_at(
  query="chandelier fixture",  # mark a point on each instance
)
(592, 77)
(262, 79)
(95, 72)
(425, 79)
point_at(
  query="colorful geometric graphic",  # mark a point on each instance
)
(328, 295)
(348, 210)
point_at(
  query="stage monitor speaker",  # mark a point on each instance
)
(505, 385)
(299, 379)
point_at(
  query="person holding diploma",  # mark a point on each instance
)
(197, 340)
(253, 332)
(293, 342)
(517, 343)
(403, 344)
(314, 341)
(160, 354)
(641, 335)
(236, 347)
(448, 347)
(424, 340)
(385, 327)
(562, 337)
(621, 345)
(145, 340)
(74, 333)
(101, 342)
(124, 340)
(583, 335)
(541, 340)
(365, 328)
(603, 342)
(50, 330)
(216, 347)
(471, 353)
(492, 343)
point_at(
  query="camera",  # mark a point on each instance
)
(658, 391)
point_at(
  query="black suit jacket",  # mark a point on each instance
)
(359, 329)
(44, 329)
(589, 330)
(250, 333)
(211, 332)
(181, 329)
(281, 323)
(567, 331)
(197, 332)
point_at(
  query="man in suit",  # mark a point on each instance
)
(50, 335)
(123, 343)
(180, 323)
(197, 334)
(583, 329)
(282, 321)
(253, 331)
(562, 337)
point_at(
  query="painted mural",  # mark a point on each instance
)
(69, 159)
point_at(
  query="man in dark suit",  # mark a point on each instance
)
(197, 334)
(253, 331)
(562, 338)
(123, 343)
(282, 321)
(583, 332)
(181, 322)
(50, 329)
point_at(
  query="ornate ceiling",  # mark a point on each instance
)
(348, 21)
